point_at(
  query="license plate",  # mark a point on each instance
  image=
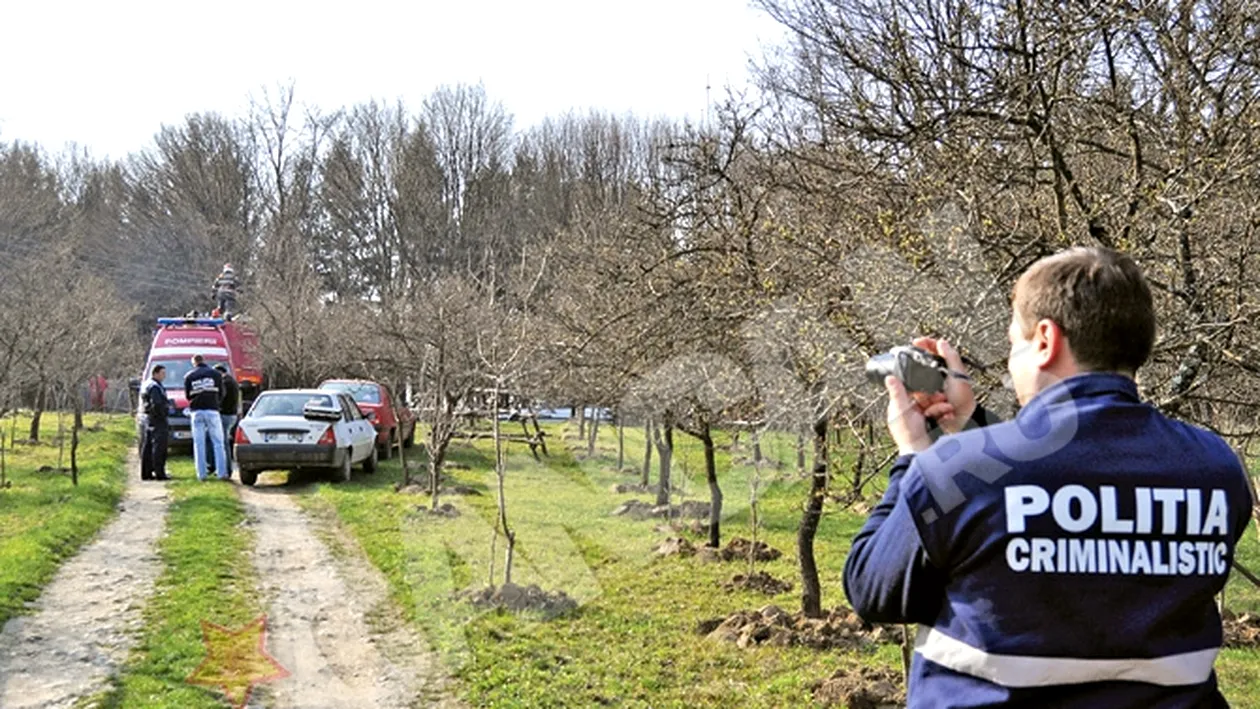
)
(282, 437)
(182, 435)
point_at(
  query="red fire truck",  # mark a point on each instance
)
(221, 342)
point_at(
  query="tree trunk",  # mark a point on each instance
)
(715, 491)
(500, 471)
(621, 443)
(665, 451)
(647, 452)
(61, 434)
(74, 441)
(402, 460)
(437, 456)
(754, 498)
(811, 589)
(37, 415)
(581, 417)
(594, 434)
(800, 454)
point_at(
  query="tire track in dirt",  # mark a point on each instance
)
(317, 620)
(87, 619)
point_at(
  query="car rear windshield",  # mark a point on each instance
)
(176, 369)
(362, 393)
(288, 404)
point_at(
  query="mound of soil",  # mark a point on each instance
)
(841, 628)
(1242, 630)
(638, 509)
(635, 509)
(695, 527)
(444, 510)
(675, 546)
(418, 489)
(862, 688)
(738, 550)
(758, 581)
(622, 488)
(512, 597)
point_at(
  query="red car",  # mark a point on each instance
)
(393, 422)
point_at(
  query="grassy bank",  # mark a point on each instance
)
(207, 576)
(631, 642)
(44, 519)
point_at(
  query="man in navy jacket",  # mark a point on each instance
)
(1069, 557)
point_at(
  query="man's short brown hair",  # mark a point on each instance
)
(1100, 300)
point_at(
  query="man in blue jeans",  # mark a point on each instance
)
(203, 388)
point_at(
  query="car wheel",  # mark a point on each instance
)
(369, 465)
(411, 438)
(249, 476)
(387, 451)
(343, 473)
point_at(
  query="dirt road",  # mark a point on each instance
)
(317, 624)
(86, 620)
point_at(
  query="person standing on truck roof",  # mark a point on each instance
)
(154, 409)
(225, 290)
(229, 407)
(203, 387)
(1070, 557)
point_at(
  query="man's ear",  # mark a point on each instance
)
(1049, 342)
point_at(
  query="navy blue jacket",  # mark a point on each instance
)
(1067, 558)
(153, 403)
(203, 387)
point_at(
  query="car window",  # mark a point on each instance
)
(349, 409)
(177, 369)
(287, 404)
(362, 392)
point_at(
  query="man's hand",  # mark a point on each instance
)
(953, 407)
(906, 420)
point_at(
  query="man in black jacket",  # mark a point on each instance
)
(154, 409)
(203, 388)
(229, 407)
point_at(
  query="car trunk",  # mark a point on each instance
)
(287, 430)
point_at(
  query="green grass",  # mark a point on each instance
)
(207, 576)
(44, 518)
(630, 642)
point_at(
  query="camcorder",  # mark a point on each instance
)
(916, 368)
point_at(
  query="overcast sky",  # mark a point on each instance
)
(107, 74)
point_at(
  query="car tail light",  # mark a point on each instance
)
(329, 438)
(240, 437)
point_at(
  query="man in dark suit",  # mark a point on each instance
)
(154, 409)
